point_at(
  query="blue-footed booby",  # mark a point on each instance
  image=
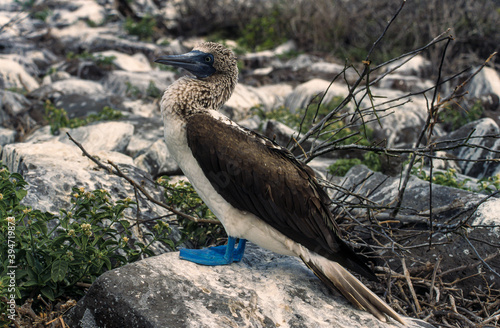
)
(257, 189)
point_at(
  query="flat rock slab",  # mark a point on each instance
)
(263, 290)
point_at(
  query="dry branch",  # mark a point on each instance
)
(114, 169)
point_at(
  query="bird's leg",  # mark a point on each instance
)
(217, 255)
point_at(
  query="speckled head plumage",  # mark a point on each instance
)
(215, 75)
(224, 59)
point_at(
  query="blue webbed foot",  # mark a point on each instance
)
(217, 255)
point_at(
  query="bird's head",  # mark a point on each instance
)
(205, 60)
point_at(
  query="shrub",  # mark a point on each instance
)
(55, 253)
(181, 195)
(144, 28)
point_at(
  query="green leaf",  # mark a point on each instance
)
(59, 270)
(48, 292)
(20, 194)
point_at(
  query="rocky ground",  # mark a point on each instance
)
(68, 61)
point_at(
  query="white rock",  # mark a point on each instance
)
(305, 92)
(142, 108)
(78, 86)
(326, 68)
(107, 136)
(13, 75)
(485, 82)
(135, 63)
(263, 290)
(414, 66)
(285, 48)
(69, 12)
(487, 214)
(245, 97)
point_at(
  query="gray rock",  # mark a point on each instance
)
(258, 59)
(447, 202)
(7, 136)
(328, 71)
(80, 36)
(148, 148)
(143, 108)
(482, 127)
(78, 105)
(146, 132)
(401, 124)
(263, 290)
(145, 7)
(156, 160)
(279, 132)
(253, 123)
(138, 84)
(67, 13)
(405, 83)
(55, 77)
(300, 62)
(70, 86)
(12, 104)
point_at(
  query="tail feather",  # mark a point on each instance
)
(336, 277)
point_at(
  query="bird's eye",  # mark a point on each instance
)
(208, 59)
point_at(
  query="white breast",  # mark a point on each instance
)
(238, 224)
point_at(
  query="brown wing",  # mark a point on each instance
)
(254, 174)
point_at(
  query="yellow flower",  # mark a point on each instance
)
(71, 233)
(125, 239)
(82, 189)
(10, 219)
(1, 196)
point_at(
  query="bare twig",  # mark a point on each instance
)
(410, 286)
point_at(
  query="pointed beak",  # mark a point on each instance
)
(197, 62)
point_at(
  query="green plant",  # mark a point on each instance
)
(454, 117)
(132, 91)
(58, 118)
(53, 254)
(152, 90)
(144, 29)
(263, 32)
(181, 195)
(446, 178)
(103, 62)
(343, 165)
(488, 185)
